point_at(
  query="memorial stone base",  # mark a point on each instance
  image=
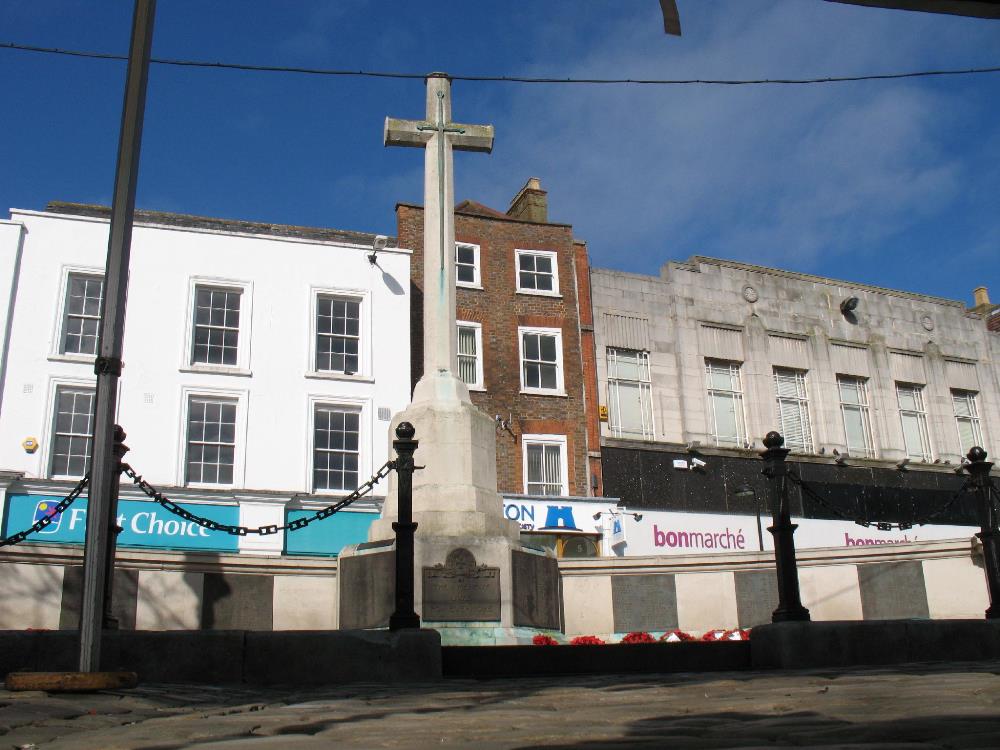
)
(474, 591)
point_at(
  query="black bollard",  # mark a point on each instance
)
(783, 530)
(405, 446)
(979, 468)
(118, 450)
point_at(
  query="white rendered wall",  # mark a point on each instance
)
(275, 383)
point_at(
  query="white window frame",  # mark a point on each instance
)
(802, 402)
(864, 408)
(242, 366)
(920, 415)
(55, 385)
(480, 384)
(56, 352)
(363, 296)
(556, 440)
(560, 389)
(738, 397)
(477, 282)
(614, 393)
(974, 420)
(365, 437)
(240, 397)
(553, 256)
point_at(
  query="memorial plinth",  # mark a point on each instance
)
(474, 580)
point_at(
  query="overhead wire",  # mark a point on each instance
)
(507, 79)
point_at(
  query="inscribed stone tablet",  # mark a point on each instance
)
(536, 590)
(460, 590)
(644, 602)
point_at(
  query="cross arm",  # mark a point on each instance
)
(472, 137)
(416, 134)
(406, 133)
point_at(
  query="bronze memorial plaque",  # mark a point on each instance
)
(460, 590)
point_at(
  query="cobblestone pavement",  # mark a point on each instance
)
(944, 706)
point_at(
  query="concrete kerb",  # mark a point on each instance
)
(808, 645)
(222, 657)
(238, 657)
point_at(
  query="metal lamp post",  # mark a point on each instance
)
(783, 530)
(745, 490)
(979, 468)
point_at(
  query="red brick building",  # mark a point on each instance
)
(525, 338)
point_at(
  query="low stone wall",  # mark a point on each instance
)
(938, 580)
(40, 587)
(156, 590)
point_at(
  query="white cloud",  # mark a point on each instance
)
(782, 175)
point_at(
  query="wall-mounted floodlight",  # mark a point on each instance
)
(849, 305)
(598, 514)
(745, 490)
(379, 243)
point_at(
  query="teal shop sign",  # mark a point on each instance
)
(329, 536)
(144, 524)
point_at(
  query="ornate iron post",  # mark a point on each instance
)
(979, 468)
(405, 446)
(118, 450)
(783, 530)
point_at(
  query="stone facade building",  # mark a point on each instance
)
(524, 333)
(879, 393)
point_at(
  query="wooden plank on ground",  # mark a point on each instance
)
(71, 682)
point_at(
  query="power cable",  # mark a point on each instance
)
(507, 79)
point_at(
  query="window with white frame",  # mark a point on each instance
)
(913, 418)
(857, 418)
(630, 403)
(216, 329)
(81, 313)
(336, 447)
(545, 470)
(211, 440)
(725, 403)
(338, 334)
(467, 264)
(71, 431)
(541, 360)
(537, 272)
(470, 353)
(793, 409)
(967, 418)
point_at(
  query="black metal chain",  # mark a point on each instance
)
(996, 496)
(880, 525)
(300, 523)
(45, 520)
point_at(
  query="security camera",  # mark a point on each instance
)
(698, 463)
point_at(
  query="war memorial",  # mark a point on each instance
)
(445, 587)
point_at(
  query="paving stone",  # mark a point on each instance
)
(950, 706)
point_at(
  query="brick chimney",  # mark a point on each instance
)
(983, 306)
(531, 203)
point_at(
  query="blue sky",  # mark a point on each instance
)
(893, 183)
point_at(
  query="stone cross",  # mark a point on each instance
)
(438, 136)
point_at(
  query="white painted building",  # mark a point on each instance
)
(262, 365)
